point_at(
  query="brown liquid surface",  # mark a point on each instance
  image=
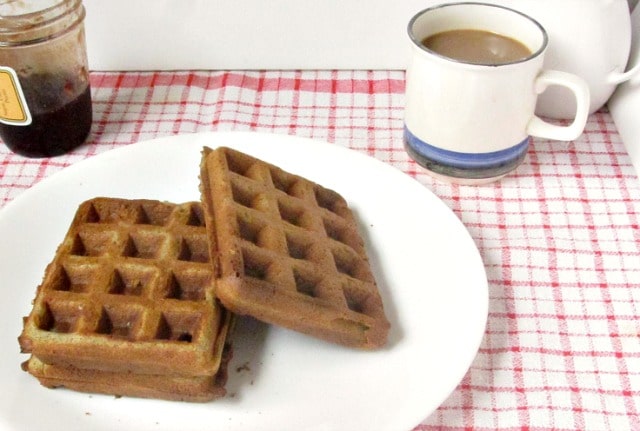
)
(477, 47)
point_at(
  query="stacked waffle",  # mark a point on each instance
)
(140, 296)
(128, 307)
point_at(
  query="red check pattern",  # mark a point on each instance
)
(560, 238)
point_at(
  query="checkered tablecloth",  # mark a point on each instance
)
(560, 238)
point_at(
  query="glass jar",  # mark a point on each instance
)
(45, 96)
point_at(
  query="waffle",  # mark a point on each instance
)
(174, 388)
(130, 290)
(290, 251)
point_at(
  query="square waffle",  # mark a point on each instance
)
(131, 289)
(289, 251)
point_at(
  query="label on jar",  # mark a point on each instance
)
(13, 106)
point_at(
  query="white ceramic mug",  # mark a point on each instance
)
(470, 123)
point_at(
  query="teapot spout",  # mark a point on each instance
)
(616, 78)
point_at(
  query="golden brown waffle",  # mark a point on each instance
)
(290, 251)
(130, 289)
(174, 388)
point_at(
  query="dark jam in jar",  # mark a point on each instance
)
(60, 121)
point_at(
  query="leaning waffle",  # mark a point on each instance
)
(175, 388)
(130, 289)
(290, 251)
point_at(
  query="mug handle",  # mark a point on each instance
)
(579, 88)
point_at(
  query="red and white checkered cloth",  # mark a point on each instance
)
(560, 238)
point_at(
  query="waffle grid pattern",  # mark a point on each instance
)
(297, 242)
(134, 277)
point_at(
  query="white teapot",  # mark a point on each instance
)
(590, 38)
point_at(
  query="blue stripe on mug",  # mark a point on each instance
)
(472, 161)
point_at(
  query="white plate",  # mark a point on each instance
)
(430, 273)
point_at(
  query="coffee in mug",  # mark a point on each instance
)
(477, 46)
